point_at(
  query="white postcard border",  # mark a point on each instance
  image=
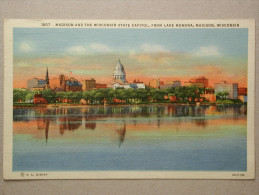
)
(8, 96)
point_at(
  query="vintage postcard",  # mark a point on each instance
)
(104, 99)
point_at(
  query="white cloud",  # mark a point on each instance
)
(25, 47)
(89, 49)
(99, 47)
(208, 51)
(152, 48)
(77, 50)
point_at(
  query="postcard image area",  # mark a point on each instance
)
(89, 99)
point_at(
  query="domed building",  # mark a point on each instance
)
(119, 79)
(119, 73)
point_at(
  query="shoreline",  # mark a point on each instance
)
(117, 105)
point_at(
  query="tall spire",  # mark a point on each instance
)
(47, 76)
(47, 79)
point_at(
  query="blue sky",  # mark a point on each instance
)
(220, 54)
(228, 42)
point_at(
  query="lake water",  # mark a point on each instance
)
(149, 137)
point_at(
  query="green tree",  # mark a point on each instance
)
(180, 93)
(60, 95)
(98, 97)
(222, 95)
(20, 94)
(29, 96)
(76, 96)
(225, 94)
(142, 95)
(159, 95)
(219, 95)
(49, 95)
(151, 93)
(192, 93)
(111, 95)
(17, 95)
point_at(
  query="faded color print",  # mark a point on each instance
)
(135, 100)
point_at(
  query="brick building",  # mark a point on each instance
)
(88, 85)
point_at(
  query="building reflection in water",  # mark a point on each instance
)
(47, 121)
(90, 125)
(180, 111)
(70, 123)
(121, 131)
(238, 111)
(43, 124)
(73, 118)
(158, 122)
(201, 122)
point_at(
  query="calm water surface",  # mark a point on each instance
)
(151, 137)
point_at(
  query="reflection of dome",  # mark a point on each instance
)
(119, 72)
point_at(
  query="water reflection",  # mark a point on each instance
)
(90, 125)
(43, 124)
(201, 122)
(25, 114)
(121, 131)
(151, 116)
(46, 121)
(173, 137)
(70, 123)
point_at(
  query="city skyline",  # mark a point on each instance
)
(168, 54)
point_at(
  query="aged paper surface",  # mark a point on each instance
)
(129, 99)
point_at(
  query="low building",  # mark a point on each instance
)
(36, 84)
(231, 88)
(156, 83)
(58, 89)
(88, 85)
(242, 91)
(235, 90)
(120, 86)
(171, 84)
(166, 86)
(209, 91)
(177, 83)
(32, 83)
(73, 85)
(41, 83)
(100, 86)
(201, 79)
(193, 84)
(137, 85)
(129, 85)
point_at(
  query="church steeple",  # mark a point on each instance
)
(47, 79)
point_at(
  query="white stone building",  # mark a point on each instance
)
(119, 79)
(231, 88)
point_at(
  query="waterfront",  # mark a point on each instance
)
(140, 137)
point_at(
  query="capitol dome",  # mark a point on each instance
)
(119, 72)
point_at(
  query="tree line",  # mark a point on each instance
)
(97, 96)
